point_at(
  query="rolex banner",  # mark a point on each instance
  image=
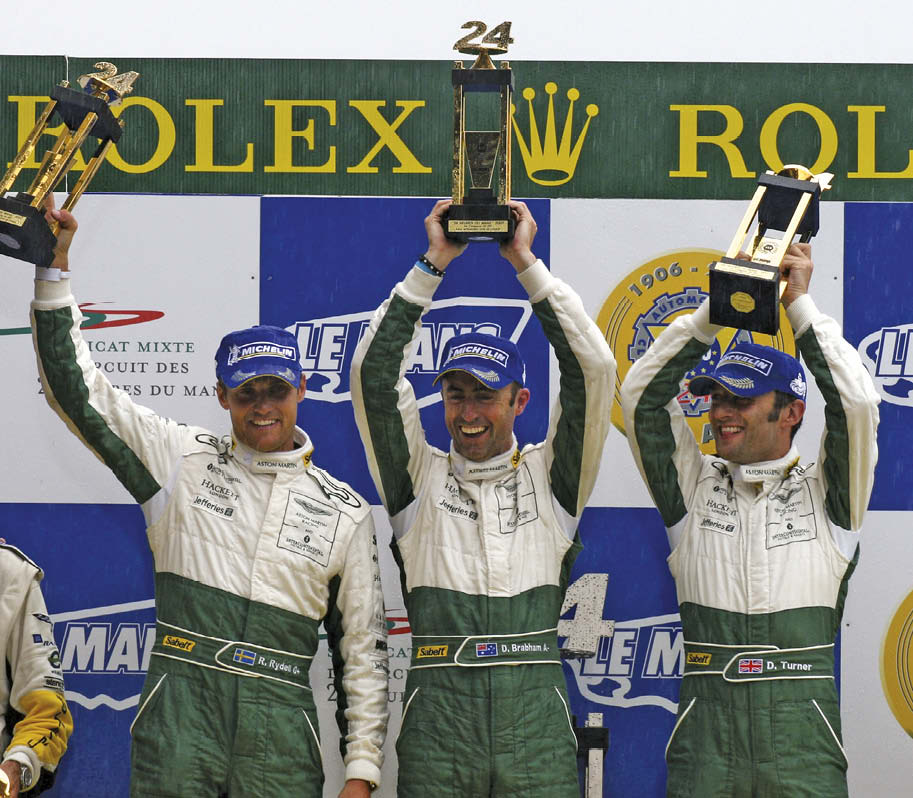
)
(582, 129)
(315, 177)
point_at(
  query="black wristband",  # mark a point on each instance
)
(428, 266)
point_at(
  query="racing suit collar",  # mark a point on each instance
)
(276, 462)
(493, 468)
(768, 471)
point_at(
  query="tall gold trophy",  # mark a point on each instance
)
(745, 294)
(24, 232)
(477, 212)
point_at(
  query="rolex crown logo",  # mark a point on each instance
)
(550, 162)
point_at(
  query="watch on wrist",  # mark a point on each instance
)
(25, 777)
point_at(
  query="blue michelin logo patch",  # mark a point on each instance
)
(259, 349)
(476, 350)
(486, 650)
(749, 361)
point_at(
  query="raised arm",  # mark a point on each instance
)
(849, 446)
(663, 446)
(130, 439)
(386, 411)
(580, 419)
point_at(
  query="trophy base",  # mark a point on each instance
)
(24, 233)
(471, 222)
(745, 295)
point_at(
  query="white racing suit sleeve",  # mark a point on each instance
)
(43, 721)
(849, 446)
(138, 445)
(662, 443)
(580, 419)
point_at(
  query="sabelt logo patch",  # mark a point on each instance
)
(431, 651)
(647, 301)
(697, 658)
(173, 641)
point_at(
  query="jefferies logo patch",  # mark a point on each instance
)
(647, 301)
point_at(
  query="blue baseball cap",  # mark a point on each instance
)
(258, 351)
(751, 370)
(492, 360)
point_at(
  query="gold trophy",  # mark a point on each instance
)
(745, 294)
(24, 232)
(477, 213)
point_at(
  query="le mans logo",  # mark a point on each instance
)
(647, 301)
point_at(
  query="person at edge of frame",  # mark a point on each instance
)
(485, 534)
(35, 722)
(254, 546)
(763, 545)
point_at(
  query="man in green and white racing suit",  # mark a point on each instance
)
(484, 534)
(762, 546)
(254, 546)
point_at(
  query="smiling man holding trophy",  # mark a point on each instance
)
(484, 534)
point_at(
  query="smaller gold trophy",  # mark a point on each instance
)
(24, 232)
(745, 294)
(477, 212)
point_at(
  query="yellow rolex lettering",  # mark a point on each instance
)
(689, 139)
(167, 137)
(865, 155)
(771, 127)
(27, 115)
(284, 133)
(203, 151)
(386, 131)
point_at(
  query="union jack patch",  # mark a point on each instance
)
(751, 666)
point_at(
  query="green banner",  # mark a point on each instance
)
(595, 129)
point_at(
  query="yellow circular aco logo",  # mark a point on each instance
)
(742, 302)
(897, 665)
(645, 302)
